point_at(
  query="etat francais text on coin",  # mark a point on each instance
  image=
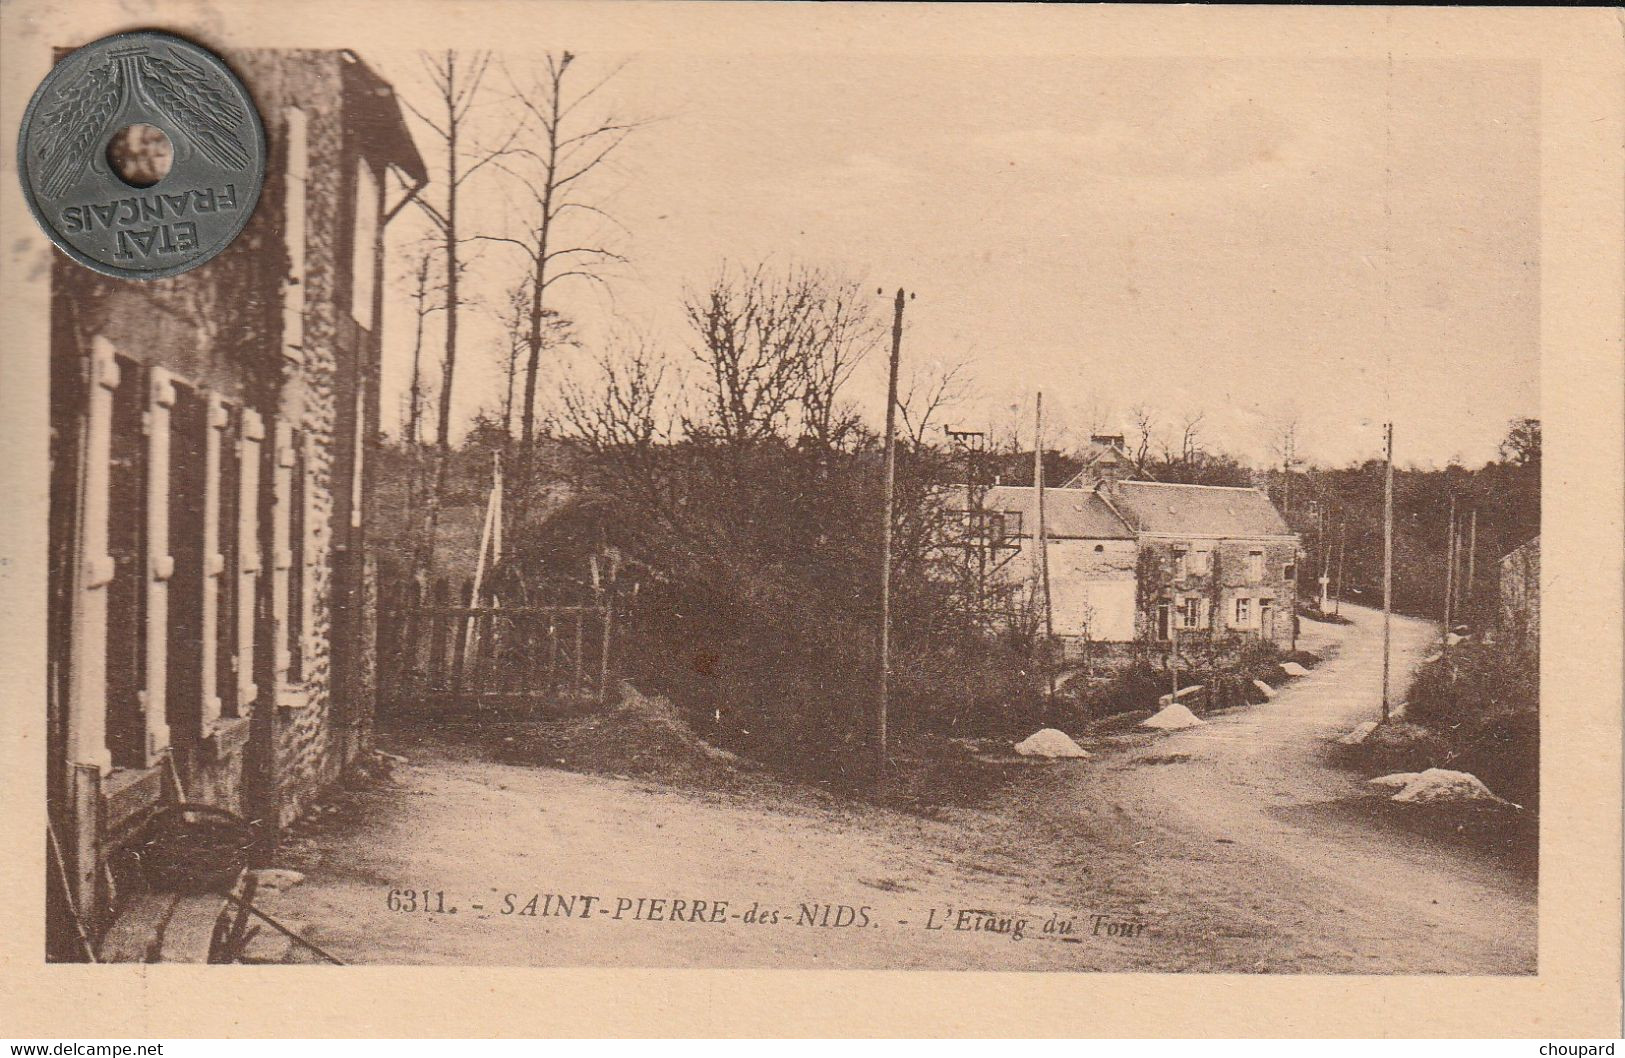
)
(141, 155)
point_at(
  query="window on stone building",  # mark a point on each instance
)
(294, 627)
(1181, 560)
(227, 522)
(1201, 562)
(125, 645)
(1244, 613)
(188, 580)
(1255, 567)
(1190, 613)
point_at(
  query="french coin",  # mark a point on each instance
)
(141, 155)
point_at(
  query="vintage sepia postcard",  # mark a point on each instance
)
(685, 518)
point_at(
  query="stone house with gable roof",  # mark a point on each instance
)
(1144, 561)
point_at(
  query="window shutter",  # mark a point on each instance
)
(214, 563)
(160, 563)
(281, 551)
(250, 440)
(87, 688)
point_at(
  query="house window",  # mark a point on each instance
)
(1290, 573)
(297, 174)
(228, 558)
(124, 646)
(1255, 567)
(1201, 563)
(1190, 613)
(191, 577)
(1163, 627)
(363, 260)
(1244, 613)
(297, 516)
(1181, 561)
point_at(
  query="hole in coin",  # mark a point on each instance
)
(140, 154)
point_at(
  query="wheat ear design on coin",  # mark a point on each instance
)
(189, 98)
(69, 131)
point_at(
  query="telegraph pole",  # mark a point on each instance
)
(1342, 529)
(1450, 574)
(1325, 554)
(1041, 556)
(1472, 555)
(1387, 561)
(886, 540)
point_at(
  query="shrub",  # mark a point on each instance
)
(1481, 704)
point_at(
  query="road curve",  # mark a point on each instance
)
(1249, 844)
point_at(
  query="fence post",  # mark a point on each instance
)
(437, 633)
(575, 680)
(459, 646)
(608, 617)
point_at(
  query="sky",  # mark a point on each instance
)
(1340, 241)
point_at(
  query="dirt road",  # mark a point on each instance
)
(1236, 846)
(1260, 853)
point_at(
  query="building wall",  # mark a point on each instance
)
(1214, 585)
(1091, 586)
(220, 330)
(1519, 614)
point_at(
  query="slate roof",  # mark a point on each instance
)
(1069, 514)
(1198, 510)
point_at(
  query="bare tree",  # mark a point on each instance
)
(456, 89)
(846, 333)
(1190, 433)
(775, 352)
(427, 297)
(1145, 429)
(1285, 435)
(624, 408)
(567, 150)
(557, 331)
(928, 393)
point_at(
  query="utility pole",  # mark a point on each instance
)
(886, 541)
(1342, 528)
(1041, 555)
(1387, 562)
(1325, 554)
(1450, 571)
(1472, 555)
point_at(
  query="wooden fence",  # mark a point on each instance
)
(438, 655)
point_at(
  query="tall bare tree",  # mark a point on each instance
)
(1285, 437)
(427, 298)
(455, 87)
(554, 169)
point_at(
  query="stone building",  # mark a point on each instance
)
(211, 585)
(1147, 561)
(1518, 615)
